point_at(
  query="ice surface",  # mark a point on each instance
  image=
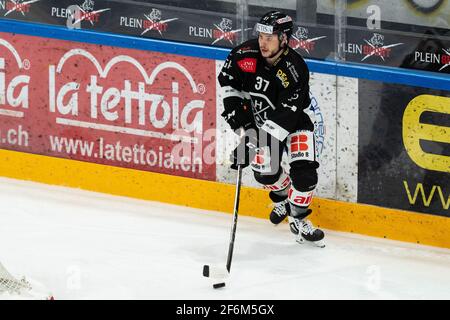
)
(85, 245)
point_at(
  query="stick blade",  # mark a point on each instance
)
(215, 272)
(206, 270)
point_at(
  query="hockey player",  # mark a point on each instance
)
(265, 86)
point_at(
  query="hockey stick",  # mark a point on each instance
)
(219, 273)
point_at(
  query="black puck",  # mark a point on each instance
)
(219, 285)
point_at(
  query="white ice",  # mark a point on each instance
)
(85, 245)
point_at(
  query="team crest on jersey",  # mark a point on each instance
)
(247, 65)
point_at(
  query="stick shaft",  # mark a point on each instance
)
(235, 217)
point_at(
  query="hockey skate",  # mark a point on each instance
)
(281, 208)
(305, 231)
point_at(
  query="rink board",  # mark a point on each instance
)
(187, 84)
(330, 214)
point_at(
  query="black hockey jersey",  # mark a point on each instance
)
(278, 94)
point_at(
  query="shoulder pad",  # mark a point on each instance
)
(248, 48)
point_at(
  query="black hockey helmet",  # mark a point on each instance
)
(275, 22)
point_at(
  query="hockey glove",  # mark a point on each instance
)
(244, 153)
(239, 117)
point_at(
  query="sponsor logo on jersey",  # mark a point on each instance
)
(283, 78)
(292, 70)
(277, 186)
(261, 162)
(152, 21)
(259, 159)
(374, 47)
(16, 6)
(299, 143)
(301, 146)
(247, 65)
(246, 50)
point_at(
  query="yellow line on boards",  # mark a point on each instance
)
(329, 214)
